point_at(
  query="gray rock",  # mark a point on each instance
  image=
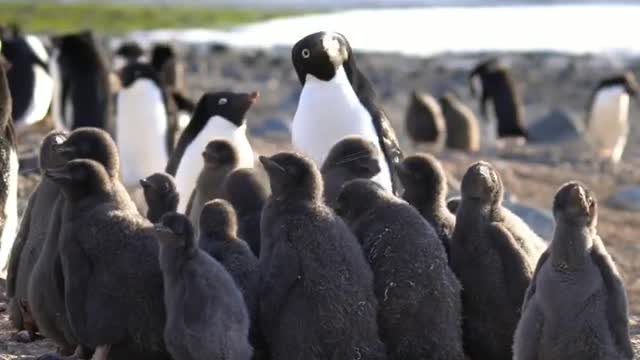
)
(627, 198)
(540, 221)
(555, 127)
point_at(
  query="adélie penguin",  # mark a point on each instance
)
(576, 305)
(218, 115)
(337, 101)
(30, 83)
(144, 130)
(608, 119)
(8, 174)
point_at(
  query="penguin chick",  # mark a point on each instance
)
(350, 158)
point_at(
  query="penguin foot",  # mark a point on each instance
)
(25, 336)
(101, 353)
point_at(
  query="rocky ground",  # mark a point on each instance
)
(532, 173)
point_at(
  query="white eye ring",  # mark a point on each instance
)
(306, 53)
(222, 101)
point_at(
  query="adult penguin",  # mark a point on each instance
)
(217, 116)
(499, 88)
(30, 84)
(8, 174)
(608, 119)
(171, 73)
(82, 95)
(338, 101)
(142, 109)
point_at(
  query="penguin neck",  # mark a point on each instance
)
(426, 201)
(339, 80)
(571, 246)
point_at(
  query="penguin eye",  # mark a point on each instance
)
(222, 101)
(306, 53)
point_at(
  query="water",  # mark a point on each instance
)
(430, 30)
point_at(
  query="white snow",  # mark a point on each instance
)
(426, 31)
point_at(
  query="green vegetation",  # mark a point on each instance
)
(54, 18)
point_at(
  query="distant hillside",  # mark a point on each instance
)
(341, 4)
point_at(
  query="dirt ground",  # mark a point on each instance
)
(532, 174)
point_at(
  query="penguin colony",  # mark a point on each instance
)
(343, 249)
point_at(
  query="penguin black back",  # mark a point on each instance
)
(424, 120)
(498, 86)
(417, 292)
(425, 187)
(85, 87)
(6, 105)
(312, 265)
(247, 193)
(160, 194)
(201, 298)
(350, 158)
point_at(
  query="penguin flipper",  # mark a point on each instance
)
(514, 263)
(182, 102)
(617, 305)
(176, 156)
(388, 143)
(18, 245)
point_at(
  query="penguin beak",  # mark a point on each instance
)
(271, 166)
(163, 233)
(254, 97)
(145, 183)
(58, 174)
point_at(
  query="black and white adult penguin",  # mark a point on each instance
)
(338, 101)
(499, 89)
(608, 119)
(218, 115)
(8, 174)
(82, 92)
(145, 132)
(30, 84)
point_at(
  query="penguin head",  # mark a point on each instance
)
(480, 73)
(245, 190)
(175, 231)
(354, 155)
(160, 188)
(575, 204)
(481, 183)
(423, 178)
(75, 48)
(228, 105)
(218, 217)
(49, 158)
(91, 143)
(135, 71)
(293, 176)
(627, 81)
(359, 196)
(81, 178)
(161, 54)
(320, 55)
(129, 51)
(220, 153)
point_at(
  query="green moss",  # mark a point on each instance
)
(54, 18)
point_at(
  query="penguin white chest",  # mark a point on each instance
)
(141, 131)
(192, 162)
(10, 213)
(42, 93)
(329, 111)
(609, 122)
